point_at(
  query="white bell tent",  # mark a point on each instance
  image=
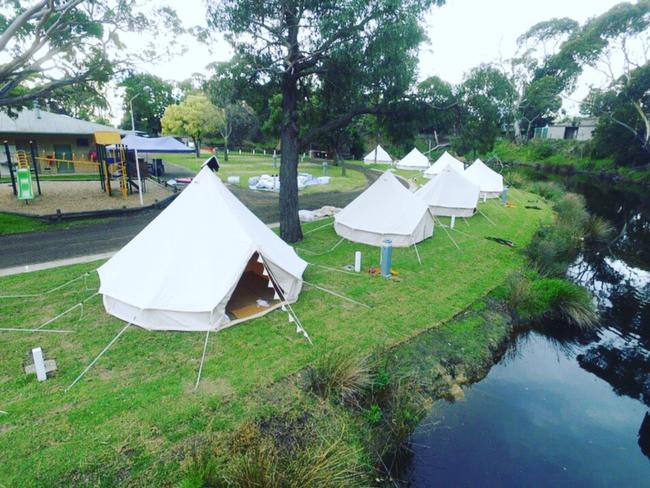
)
(490, 182)
(414, 160)
(378, 155)
(385, 210)
(450, 194)
(206, 262)
(443, 161)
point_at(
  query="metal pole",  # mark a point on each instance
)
(137, 169)
(131, 107)
(11, 169)
(33, 152)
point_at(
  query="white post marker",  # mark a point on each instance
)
(39, 364)
(137, 169)
(357, 261)
(453, 221)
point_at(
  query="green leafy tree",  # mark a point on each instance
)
(486, 100)
(149, 95)
(292, 42)
(49, 45)
(195, 117)
(621, 36)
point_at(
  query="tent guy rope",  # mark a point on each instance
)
(205, 348)
(343, 297)
(98, 356)
(34, 295)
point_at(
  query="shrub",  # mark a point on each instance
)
(340, 375)
(373, 414)
(571, 211)
(563, 299)
(541, 149)
(597, 230)
(552, 249)
(547, 189)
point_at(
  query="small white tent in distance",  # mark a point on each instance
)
(443, 161)
(414, 160)
(201, 265)
(385, 210)
(378, 155)
(490, 182)
(450, 194)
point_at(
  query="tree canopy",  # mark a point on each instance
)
(195, 117)
(48, 45)
(149, 95)
(298, 44)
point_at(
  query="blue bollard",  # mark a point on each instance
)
(386, 255)
(504, 195)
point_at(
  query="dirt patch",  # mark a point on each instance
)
(211, 387)
(77, 196)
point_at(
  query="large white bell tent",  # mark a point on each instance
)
(378, 155)
(414, 160)
(490, 182)
(206, 262)
(450, 194)
(385, 210)
(443, 161)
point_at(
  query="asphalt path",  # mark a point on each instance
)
(112, 234)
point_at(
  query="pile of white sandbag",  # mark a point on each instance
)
(272, 182)
(320, 213)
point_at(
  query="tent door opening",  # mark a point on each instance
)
(252, 296)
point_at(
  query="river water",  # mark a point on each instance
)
(561, 411)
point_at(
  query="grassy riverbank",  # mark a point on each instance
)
(135, 417)
(566, 155)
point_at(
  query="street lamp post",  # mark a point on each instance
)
(131, 107)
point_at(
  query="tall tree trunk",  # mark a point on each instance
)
(225, 149)
(197, 146)
(290, 229)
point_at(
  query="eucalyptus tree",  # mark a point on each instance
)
(620, 49)
(296, 42)
(47, 45)
(148, 96)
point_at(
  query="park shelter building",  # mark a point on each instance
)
(55, 136)
(580, 129)
(385, 210)
(239, 268)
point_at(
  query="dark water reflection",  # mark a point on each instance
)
(562, 410)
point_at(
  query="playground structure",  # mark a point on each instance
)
(117, 164)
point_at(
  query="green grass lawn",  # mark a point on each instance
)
(16, 224)
(247, 165)
(135, 415)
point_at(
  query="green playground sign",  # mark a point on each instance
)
(25, 190)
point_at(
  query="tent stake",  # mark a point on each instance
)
(343, 297)
(98, 356)
(205, 348)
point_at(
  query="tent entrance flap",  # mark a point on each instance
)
(252, 295)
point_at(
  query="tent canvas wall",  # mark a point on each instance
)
(201, 265)
(443, 161)
(382, 157)
(490, 182)
(450, 194)
(385, 210)
(414, 160)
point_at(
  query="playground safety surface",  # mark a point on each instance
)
(77, 196)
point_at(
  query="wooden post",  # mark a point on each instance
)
(11, 169)
(35, 164)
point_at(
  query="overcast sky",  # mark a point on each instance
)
(462, 34)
